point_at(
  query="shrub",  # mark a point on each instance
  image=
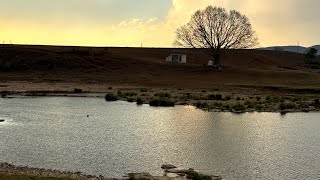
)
(317, 101)
(77, 90)
(239, 107)
(144, 90)
(284, 106)
(162, 95)
(111, 97)
(139, 101)
(109, 88)
(218, 97)
(247, 103)
(211, 97)
(199, 97)
(164, 102)
(304, 105)
(268, 98)
(258, 98)
(227, 106)
(130, 100)
(214, 97)
(259, 107)
(227, 98)
(219, 105)
(128, 94)
(238, 98)
(202, 105)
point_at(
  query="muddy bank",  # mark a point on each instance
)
(170, 173)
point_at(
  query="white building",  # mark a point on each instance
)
(177, 58)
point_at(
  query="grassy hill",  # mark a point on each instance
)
(146, 67)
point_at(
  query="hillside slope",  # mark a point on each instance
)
(147, 67)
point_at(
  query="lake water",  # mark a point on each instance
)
(120, 137)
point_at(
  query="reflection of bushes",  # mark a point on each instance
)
(202, 105)
(164, 102)
(139, 101)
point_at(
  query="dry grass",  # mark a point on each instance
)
(145, 67)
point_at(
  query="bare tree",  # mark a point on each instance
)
(215, 30)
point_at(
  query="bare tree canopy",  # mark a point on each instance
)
(215, 30)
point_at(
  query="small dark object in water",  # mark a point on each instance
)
(1, 120)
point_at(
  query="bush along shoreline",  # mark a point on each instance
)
(217, 102)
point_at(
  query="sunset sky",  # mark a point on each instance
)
(150, 22)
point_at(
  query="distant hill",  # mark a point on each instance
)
(146, 67)
(297, 49)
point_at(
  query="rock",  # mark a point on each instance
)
(137, 176)
(179, 170)
(168, 166)
(181, 174)
(1, 120)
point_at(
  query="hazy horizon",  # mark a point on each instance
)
(151, 23)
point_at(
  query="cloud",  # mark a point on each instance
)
(88, 23)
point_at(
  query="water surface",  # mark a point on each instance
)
(120, 137)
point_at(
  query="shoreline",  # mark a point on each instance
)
(207, 100)
(11, 171)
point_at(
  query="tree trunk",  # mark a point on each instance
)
(217, 58)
